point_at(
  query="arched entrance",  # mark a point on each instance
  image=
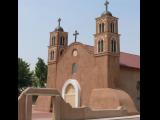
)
(71, 92)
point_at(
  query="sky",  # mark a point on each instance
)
(37, 18)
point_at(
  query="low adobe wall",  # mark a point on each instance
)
(107, 98)
(63, 111)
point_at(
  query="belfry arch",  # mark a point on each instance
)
(71, 92)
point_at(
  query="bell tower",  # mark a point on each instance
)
(106, 43)
(106, 37)
(58, 43)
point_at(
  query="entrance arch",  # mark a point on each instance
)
(71, 92)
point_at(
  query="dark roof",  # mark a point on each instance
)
(126, 59)
(59, 28)
(106, 13)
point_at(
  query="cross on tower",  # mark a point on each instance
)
(75, 34)
(106, 4)
(59, 21)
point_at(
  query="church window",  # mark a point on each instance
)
(101, 46)
(98, 46)
(62, 40)
(111, 27)
(54, 40)
(113, 46)
(102, 27)
(74, 68)
(52, 55)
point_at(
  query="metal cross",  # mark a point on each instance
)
(75, 34)
(106, 4)
(59, 21)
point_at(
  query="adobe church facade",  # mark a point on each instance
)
(76, 70)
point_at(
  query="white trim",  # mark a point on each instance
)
(77, 90)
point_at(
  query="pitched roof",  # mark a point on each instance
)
(126, 59)
(130, 60)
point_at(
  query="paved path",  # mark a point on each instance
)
(37, 115)
(135, 117)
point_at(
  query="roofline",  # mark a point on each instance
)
(122, 65)
(129, 53)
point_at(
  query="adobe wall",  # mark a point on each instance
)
(91, 71)
(63, 111)
(51, 76)
(128, 81)
(107, 98)
(43, 103)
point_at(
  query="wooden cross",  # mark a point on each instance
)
(75, 34)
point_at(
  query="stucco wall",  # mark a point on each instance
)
(128, 81)
(91, 71)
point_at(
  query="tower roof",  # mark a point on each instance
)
(106, 12)
(59, 28)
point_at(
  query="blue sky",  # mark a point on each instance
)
(36, 18)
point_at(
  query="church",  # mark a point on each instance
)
(90, 75)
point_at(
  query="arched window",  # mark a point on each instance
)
(62, 40)
(98, 46)
(100, 27)
(113, 46)
(111, 28)
(54, 40)
(74, 68)
(52, 55)
(101, 46)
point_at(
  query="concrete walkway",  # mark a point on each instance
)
(38, 115)
(134, 117)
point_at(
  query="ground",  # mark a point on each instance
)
(37, 115)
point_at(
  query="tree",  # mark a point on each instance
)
(24, 75)
(41, 72)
